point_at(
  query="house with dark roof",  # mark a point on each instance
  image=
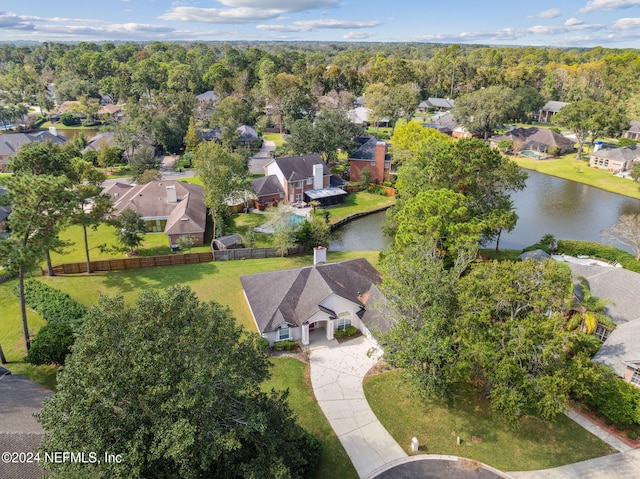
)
(535, 139)
(10, 143)
(207, 96)
(443, 122)
(19, 430)
(360, 116)
(170, 207)
(290, 304)
(247, 136)
(268, 190)
(549, 109)
(615, 160)
(302, 178)
(372, 154)
(437, 104)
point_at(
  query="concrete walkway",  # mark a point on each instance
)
(613, 441)
(615, 466)
(336, 376)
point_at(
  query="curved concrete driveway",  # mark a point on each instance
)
(336, 376)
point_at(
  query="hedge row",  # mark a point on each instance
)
(614, 398)
(53, 305)
(597, 250)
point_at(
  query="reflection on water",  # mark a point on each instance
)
(564, 208)
(71, 134)
(363, 234)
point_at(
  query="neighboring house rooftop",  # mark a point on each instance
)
(298, 168)
(187, 215)
(248, 134)
(442, 103)
(554, 106)
(267, 185)
(444, 123)
(634, 126)
(207, 96)
(10, 143)
(107, 138)
(19, 430)
(367, 150)
(532, 136)
(293, 296)
(361, 114)
(626, 153)
(621, 286)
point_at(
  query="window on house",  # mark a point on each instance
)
(283, 334)
(344, 320)
(299, 197)
(281, 196)
(635, 377)
(601, 332)
(299, 184)
(310, 181)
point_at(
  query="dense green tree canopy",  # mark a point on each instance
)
(173, 386)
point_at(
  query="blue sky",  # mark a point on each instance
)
(566, 23)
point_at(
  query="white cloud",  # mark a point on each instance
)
(358, 35)
(572, 22)
(626, 24)
(552, 13)
(309, 25)
(594, 5)
(244, 11)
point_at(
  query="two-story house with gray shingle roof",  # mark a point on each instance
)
(633, 133)
(549, 109)
(289, 304)
(171, 207)
(302, 178)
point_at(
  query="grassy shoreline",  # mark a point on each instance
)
(580, 172)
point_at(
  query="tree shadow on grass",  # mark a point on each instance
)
(158, 277)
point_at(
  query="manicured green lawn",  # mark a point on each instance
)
(191, 179)
(12, 340)
(275, 137)
(292, 374)
(153, 244)
(538, 444)
(60, 126)
(241, 223)
(571, 169)
(217, 281)
(117, 172)
(357, 203)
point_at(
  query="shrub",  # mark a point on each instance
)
(620, 426)
(631, 434)
(553, 150)
(51, 345)
(351, 330)
(340, 334)
(53, 305)
(69, 119)
(287, 345)
(608, 253)
(617, 400)
(388, 184)
(376, 190)
(262, 344)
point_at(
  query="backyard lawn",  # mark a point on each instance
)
(217, 281)
(292, 374)
(538, 444)
(359, 202)
(577, 170)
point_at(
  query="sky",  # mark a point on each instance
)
(559, 23)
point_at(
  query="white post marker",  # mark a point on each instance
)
(414, 444)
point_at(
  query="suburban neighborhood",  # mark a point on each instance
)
(325, 259)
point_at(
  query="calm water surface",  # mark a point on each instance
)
(564, 208)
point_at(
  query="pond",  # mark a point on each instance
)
(564, 208)
(70, 134)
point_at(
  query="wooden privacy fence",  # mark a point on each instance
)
(251, 253)
(132, 263)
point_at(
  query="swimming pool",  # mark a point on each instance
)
(536, 155)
